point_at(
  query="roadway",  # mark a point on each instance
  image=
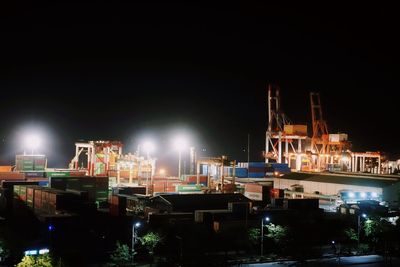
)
(359, 261)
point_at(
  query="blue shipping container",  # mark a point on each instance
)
(241, 172)
(256, 164)
(256, 175)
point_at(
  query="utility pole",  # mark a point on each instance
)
(248, 148)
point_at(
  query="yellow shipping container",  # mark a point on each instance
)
(295, 129)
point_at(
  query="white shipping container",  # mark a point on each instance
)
(338, 137)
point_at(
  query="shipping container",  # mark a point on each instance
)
(241, 172)
(30, 162)
(277, 193)
(258, 192)
(5, 168)
(58, 174)
(118, 206)
(37, 196)
(5, 176)
(190, 179)
(140, 190)
(256, 174)
(295, 130)
(338, 137)
(188, 188)
(259, 164)
(34, 175)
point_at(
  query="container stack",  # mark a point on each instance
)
(30, 163)
(47, 200)
(256, 169)
(97, 187)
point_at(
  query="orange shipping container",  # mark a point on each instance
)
(12, 176)
(5, 168)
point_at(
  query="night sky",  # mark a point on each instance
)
(118, 71)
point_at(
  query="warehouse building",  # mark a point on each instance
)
(193, 202)
(354, 186)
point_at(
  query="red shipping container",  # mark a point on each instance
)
(170, 189)
(276, 193)
(38, 204)
(77, 173)
(158, 189)
(124, 174)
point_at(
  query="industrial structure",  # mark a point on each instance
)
(320, 152)
(105, 158)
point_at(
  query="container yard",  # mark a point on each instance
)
(300, 174)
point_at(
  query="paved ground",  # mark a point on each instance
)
(360, 261)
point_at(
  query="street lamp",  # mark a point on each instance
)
(148, 147)
(267, 219)
(359, 226)
(180, 143)
(134, 237)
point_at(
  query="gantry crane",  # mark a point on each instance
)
(278, 132)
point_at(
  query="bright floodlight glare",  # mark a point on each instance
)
(149, 146)
(180, 143)
(351, 194)
(333, 241)
(374, 194)
(137, 224)
(363, 195)
(44, 251)
(364, 215)
(162, 172)
(32, 141)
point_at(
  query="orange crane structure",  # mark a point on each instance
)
(329, 148)
(327, 151)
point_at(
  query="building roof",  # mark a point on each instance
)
(348, 179)
(192, 202)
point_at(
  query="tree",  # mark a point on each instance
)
(277, 233)
(41, 261)
(150, 241)
(4, 253)
(121, 255)
(372, 229)
(254, 236)
(351, 234)
(27, 261)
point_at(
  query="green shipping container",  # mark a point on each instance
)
(57, 174)
(189, 188)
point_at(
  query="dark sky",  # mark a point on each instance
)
(107, 70)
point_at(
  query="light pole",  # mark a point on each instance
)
(180, 143)
(148, 147)
(134, 237)
(179, 164)
(267, 219)
(359, 226)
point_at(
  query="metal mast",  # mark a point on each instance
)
(276, 121)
